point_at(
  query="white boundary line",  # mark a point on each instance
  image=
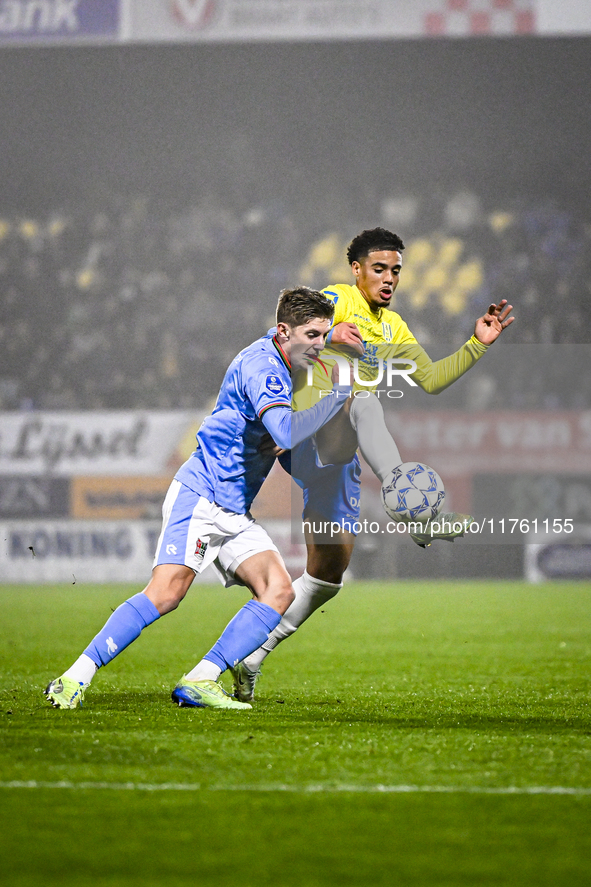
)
(304, 789)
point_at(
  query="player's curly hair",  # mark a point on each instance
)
(371, 240)
(300, 305)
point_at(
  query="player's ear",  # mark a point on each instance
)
(284, 330)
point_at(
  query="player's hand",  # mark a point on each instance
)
(335, 375)
(347, 334)
(268, 447)
(489, 327)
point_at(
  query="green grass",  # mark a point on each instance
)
(460, 688)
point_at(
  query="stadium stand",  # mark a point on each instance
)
(140, 303)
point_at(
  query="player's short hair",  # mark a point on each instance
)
(370, 241)
(302, 304)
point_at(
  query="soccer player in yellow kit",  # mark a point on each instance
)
(328, 468)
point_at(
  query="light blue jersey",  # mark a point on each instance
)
(228, 467)
(205, 513)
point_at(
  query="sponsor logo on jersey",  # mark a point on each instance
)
(200, 549)
(274, 385)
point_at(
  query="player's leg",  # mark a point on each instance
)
(327, 556)
(361, 423)
(379, 450)
(263, 572)
(336, 442)
(321, 581)
(331, 497)
(167, 587)
(376, 444)
(268, 580)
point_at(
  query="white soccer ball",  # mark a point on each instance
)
(412, 492)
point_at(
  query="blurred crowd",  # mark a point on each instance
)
(140, 303)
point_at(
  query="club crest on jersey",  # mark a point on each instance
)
(387, 332)
(274, 385)
(200, 549)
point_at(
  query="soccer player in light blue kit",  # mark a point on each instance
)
(206, 519)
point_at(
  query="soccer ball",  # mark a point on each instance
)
(412, 492)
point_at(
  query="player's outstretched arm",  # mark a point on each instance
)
(288, 429)
(434, 377)
(489, 327)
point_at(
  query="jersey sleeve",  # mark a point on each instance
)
(435, 376)
(265, 385)
(289, 429)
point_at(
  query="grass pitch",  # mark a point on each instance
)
(410, 734)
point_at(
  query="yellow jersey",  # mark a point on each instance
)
(385, 335)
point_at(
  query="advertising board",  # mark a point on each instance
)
(251, 20)
(75, 552)
(65, 444)
(46, 21)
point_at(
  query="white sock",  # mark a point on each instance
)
(204, 671)
(83, 670)
(377, 445)
(310, 593)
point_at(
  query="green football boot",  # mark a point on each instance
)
(447, 526)
(204, 694)
(65, 693)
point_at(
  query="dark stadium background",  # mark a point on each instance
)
(312, 122)
(279, 144)
(157, 198)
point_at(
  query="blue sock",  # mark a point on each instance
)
(123, 627)
(250, 627)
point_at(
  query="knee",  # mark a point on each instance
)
(268, 580)
(332, 573)
(330, 565)
(284, 596)
(279, 595)
(168, 587)
(170, 598)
